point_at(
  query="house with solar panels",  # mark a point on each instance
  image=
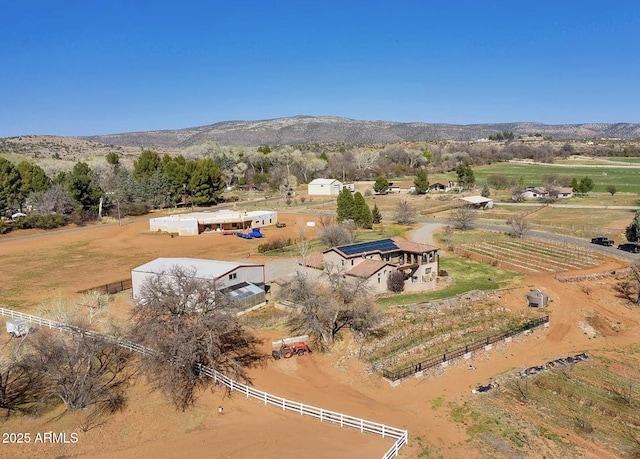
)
(242, 283)
(375, 260)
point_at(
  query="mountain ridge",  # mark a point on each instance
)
(332, 129)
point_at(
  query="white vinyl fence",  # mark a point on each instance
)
(343, 420)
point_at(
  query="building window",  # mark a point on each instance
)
(233, 276)
(351, 262)
(427, 270)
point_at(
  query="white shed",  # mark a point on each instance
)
(323, 186)
(240, 281)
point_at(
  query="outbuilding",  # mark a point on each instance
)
(479, 202)
(243, 283)
(323, 186)
(194, 223)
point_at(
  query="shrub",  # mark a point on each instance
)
(234, 198)
(443, 273)
(133, 208)
(302, 199)
(395, 281)
(276, 244)
(40, 221)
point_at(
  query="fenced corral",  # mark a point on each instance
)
(459, 352)
(400, 436)
(112, 288)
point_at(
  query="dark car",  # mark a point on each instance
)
(629, 247)
(601, 240)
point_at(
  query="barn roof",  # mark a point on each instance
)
(323, 181)
(204, 269)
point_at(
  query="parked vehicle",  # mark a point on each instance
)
(18, 327)
(281, 225)
(289, 350)
(602, 240)
(254, 234)
(630, 247)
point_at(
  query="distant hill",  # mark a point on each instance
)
(327, 129)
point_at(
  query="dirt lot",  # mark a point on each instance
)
(37, 269)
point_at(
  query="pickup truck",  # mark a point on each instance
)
(602, 240)
(630, 247)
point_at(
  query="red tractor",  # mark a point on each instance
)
(288, 350)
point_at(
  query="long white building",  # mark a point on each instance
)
(241, 282)
(194, 223)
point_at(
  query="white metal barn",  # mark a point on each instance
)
(194, 223)
(243, 283)
(323, 186)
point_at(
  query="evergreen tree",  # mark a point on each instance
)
(146, 165)
(176, 174)
(633, 230)
(485, 191)
(83, 187)
(421, 181)
(205, 184)
(32, 178)
(466, 177)
(376, 216)
(381, 185)
(113, 159)
(345, 205)
(361, 212)
(9, 184)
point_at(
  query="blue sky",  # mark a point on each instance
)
(81, 67)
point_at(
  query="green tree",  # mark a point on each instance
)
(361, 212)
(146, 165)
(586, 184)
(113, 159)
(381, 185)
(466, 177)
(485, 191)
(32, 179)
(612, 189)
(175, 171)
(633, 230)
(376, 216)
(9, 184)
(575, 184)
(345, 206)
(83, 187)
(421, 181)
(205, 183)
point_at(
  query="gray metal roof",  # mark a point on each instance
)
(205, 269)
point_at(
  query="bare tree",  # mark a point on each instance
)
(325, 310)
(187, 321)
(517, 193)
(20, 388)
(337, 234)
(462, 217)
(52, 200)
(519, 225)
(395, 281)
(629, 289)
(447, 235)
(80, 370)
(404, 212)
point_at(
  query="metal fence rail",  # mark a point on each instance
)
(343, 420)
(112, 288)
(459, 352)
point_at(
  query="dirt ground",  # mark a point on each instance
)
(151, 428)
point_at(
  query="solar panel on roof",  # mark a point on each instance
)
(383, 245)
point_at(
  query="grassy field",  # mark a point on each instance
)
(625, 180)
(465, 275)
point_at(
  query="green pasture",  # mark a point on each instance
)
(624, 179)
